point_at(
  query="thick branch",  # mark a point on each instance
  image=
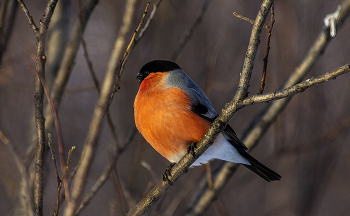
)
(258, 128)
(219, 124)
(39, 93)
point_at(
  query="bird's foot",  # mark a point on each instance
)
(191, 148)
(167, 173)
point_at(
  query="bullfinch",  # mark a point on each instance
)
(172, 113)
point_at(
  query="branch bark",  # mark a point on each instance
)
(219, 124)
(100, 110)
(260, 126)
(40, 34)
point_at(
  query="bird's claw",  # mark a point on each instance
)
(191, 148)
(167, 173)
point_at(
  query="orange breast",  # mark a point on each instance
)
(164, 118)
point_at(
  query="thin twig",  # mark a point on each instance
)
(29, 17)
(270, 114)
(189, 32)
(58, 132)
(219, 124)
(296, 88)
(120, 66)
(53, 158)
(59, 182)
(266, 58)
(39, 96)
(149, 20)
(22, 171)
(69, 58)
(97, 86)
(63, 179)
(247, 19)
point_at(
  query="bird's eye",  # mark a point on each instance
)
(146, 73)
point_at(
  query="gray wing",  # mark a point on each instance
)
(201, 104)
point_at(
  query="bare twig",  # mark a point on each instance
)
(22, 171)
(149, 20)
(58, 132)
(59, 182)
(29, 17)
(97, 86)
(69, 57)
(53, 158)
(99, 112)
(63, 179)
(120, 66)
(39, 93)
(270, 114)
(247, 19)
(219, 124)
(296, 88)
(266, 58)
(189, 32)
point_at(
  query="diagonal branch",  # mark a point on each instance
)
(296, 88)
(100, 110)
(219, 124)
(29, 17)
(258, 128)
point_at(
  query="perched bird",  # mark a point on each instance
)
(172, 112)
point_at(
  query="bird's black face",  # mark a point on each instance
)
(156, 66)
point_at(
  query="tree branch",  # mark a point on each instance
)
(219, 124)
(296, 88)
(258, 128)
(39, 93)
(29, 18)
(99, 112)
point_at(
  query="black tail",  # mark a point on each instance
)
(260, 169)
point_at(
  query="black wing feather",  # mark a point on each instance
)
(229, 133)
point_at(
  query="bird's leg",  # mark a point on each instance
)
(190, 149)
(167, 173)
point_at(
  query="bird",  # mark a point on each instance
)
(172, 113)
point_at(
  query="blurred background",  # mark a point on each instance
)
(308, 145)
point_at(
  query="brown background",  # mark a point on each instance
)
(314, 167)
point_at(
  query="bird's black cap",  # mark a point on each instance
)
(156, 66)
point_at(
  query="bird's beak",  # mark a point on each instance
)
(139, 77)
